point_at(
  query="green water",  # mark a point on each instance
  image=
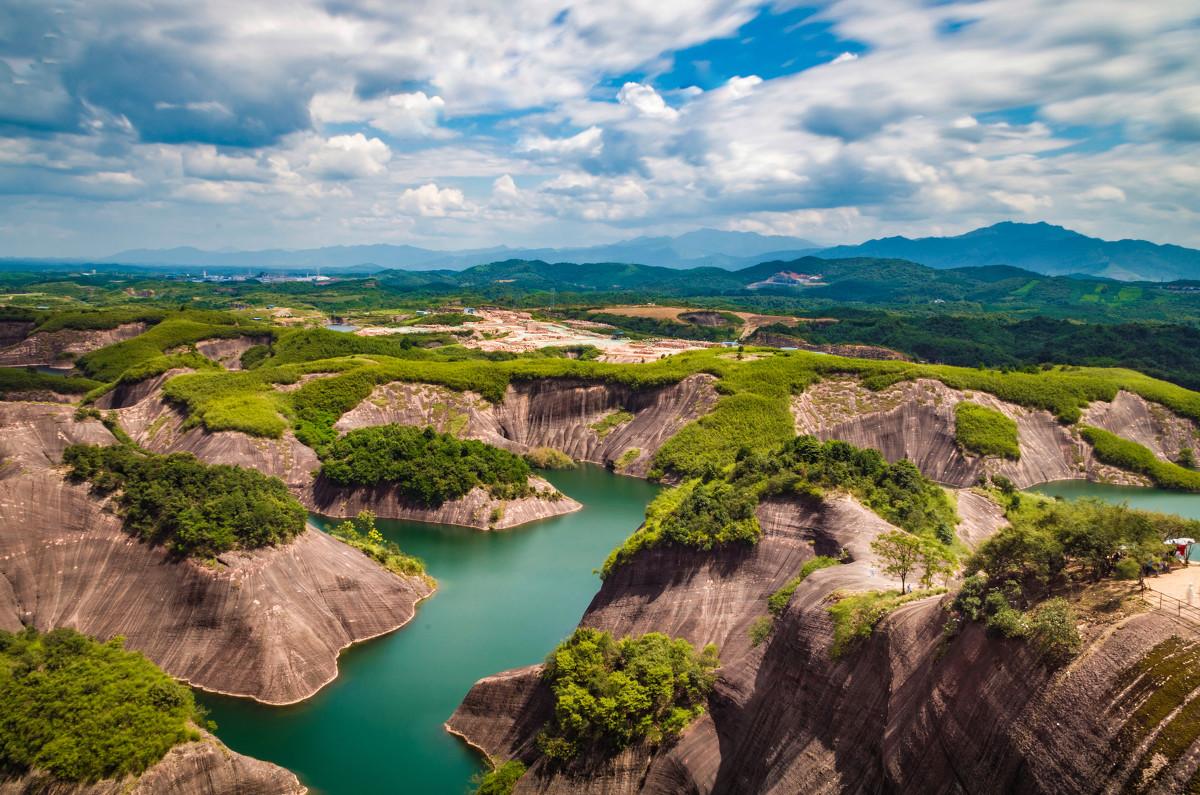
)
(504, 599)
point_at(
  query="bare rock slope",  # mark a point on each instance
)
(50, 347)
(205, 767)
(915, 420)
(905, 711)
(267, 624)
(564, 414)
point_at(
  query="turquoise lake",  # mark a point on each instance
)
(504, 600)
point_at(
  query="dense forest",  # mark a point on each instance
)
(193, 508)
(84, 711)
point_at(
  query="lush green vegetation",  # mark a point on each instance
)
(549, 458)
(661, 327)
(178, 330)
(855, 615)
(1168, 351)
(609, 693)
(85, 711)
(1131, 456)
(610, 422)
(99, 319)
(984, 431)
(362, 534)
(719, 507)
(28, 379)
(423, 465)
(501, 780)
(1048, 545)
(194, 508)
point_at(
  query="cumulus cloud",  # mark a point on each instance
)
(349, 157)
(322, 121)
(401, 114)
(646, 101)
(431, 201)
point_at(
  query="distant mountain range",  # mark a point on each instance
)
(701, 248)
(1041, 248)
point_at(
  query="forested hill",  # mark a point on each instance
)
(892, 283)
(1042, 248)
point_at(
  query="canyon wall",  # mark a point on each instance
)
(268, 623)
(54, 347)
(550, 412)
(915, 420)
(908, 710)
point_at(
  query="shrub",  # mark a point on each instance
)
(549, 458)
(501, 780)
(1127, 569)
(1052, 628)
(761, 629)
(424, 465)
(194, 508)
(609, 694)
(778, 601)
(27, 379)
(855, 615)
(362, 534)
(85, 711)
(985, 431)
(610, 422)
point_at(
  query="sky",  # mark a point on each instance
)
(292, 124)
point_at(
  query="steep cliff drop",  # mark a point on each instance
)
(598, 423)
(205, 767)
(910, 709)
(268, 624)
(161, 427)
(915, 420)
(55, 347)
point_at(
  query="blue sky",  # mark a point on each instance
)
(253, 124)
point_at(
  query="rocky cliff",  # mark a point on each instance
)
(909, 710)
(1149, 424)
(548, 413)
(205, 767)
(53, 347)
(915, 420)
(477, 508)
(267, 624)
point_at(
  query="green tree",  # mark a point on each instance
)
(901, 554)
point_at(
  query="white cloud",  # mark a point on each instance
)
(402, 114)
(431, 201)
(646, 101)
(738, 87)
(844, 57)
(588, 141)
(345, 157)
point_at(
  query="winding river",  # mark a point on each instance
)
(504, 600)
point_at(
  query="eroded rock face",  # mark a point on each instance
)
(267, 624)
(477, 508)
(228, 352)
(547, 413)
(53, 347)
(905, 711)
(705, 597)
(915, 420)
(1149, 424)
(206, 767)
